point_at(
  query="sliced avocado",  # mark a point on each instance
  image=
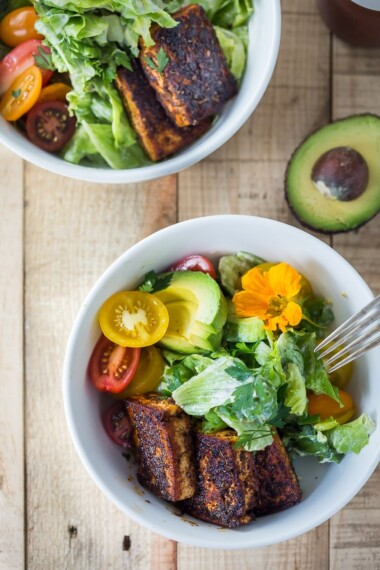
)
(197, 312)
(249, 329)
(332, 182)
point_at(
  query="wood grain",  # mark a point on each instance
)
(75, 231)
(11, 363)
(68, 232)
(355, 531)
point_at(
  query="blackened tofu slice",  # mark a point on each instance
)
(161, 434)
(196, 82)
(226, 490)
(278, 484)
(158, 135)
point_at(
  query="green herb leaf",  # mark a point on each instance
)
(16, 93)
(153, 282)
(162, 60)
(254, 440)
(240, 373)
(43, 59)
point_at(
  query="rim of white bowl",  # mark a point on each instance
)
(204, 147)
(123, 507)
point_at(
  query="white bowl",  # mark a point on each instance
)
(326, 488)
(264, 42)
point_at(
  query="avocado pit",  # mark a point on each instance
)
(341, 174)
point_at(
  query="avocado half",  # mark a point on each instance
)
(332, 182)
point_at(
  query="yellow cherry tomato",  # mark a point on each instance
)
(341, 376)
(326, 407)
(22, 94)
(133, 318)
(306, 289)
(148, 374)
(18, 26)
(54, 92)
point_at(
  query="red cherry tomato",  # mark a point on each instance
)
(112, 367)
(50, 126)
(194, 263)
(117, 425)
(20, 59)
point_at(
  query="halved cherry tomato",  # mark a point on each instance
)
(117, 424)
(50, 126)
(134, 318)
(325, 407)
(112, 367)
(148, 374)
(54, 92)
(20, 59)
(194, 263)
(22, 94)
(18, 26)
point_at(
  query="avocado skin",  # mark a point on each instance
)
(296, 215)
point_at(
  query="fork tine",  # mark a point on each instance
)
(360, 327)
(346, 325)
(358, 342)
(354, 355)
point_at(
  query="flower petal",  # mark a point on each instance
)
(257, 282)
(248, 305)
(284, 280)
(292, 313)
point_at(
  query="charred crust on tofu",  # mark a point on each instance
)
(278, 483)
(158, 135)
(196, 81)
(226, 491)
(162, 437)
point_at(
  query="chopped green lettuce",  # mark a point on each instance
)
(305, 440)
(298, 348)
(234, 45)
(352, 436)
(233, 267)
(295, 396)
(212, 387)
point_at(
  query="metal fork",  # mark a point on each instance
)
(361, 332)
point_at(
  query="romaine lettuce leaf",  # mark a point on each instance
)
(234, 45)
(352, 436)
(298, 348)
(305, 440)
(295, 395)
(212, 387)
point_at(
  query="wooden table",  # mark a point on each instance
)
(56, 238)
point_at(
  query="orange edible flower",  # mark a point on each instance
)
(270, 296)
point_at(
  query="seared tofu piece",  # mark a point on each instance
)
(226, 490)
(278, 484)
(158, 135)
(161, 434)
(196, 81)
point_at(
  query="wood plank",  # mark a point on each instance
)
(73, 232)
(297, 100)
(11, 363)
(355, 531)
(246, 176)
(292, 554)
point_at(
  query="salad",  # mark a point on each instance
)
(101, 82)
(233, 349)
